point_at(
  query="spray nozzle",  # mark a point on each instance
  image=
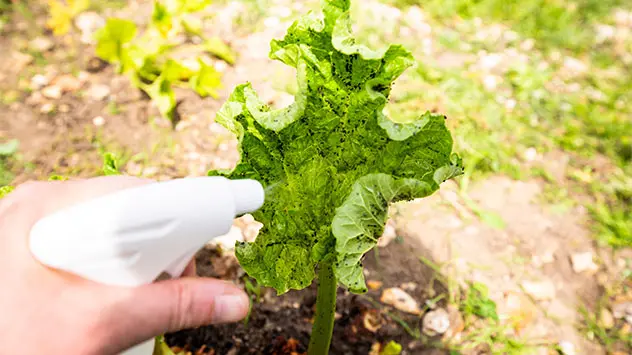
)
(248, 194)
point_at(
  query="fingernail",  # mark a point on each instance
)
(230, 308)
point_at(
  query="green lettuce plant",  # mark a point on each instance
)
(148, 58)
(331, 162)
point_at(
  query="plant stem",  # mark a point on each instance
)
(323, 327)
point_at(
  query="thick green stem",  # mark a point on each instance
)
(323, 327)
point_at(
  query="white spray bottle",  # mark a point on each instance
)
(131, 237)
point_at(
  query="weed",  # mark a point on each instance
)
(7, 151)
(612, 338)
(253, 289)
(478, 303)
(113, 108)
(484, 327)
(557, 23)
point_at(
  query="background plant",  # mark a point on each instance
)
(62, 13)
(147, 58)
(7, 151)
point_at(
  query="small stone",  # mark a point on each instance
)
(372, 321)
(228, 241)
(271, 22)
(67, 83)
(606, 319)
(530, 154)
(133, 168)
(95, 65)
(99, 92)
(490, 61)
(88, 23)
(510, 104)
(621, 263)
(510, 36)
(251, 230)
(63, 108)
(52, 92)
(149, 171)
(605, 32)
(575, 65)
(19, 61)
(401, 300)
(221, 66)
(490, 82)
(416, 19)
(34, 99)
(621, 310)
(47, 108)
(539, 290)
(519, 309)
(527, 44)
(408, 286)
(98, 121)
(41, 44)
(567, 348)
(583, 262)
(436, 322)
(548, 257)
(457, 324)
(374, 284)
(38, 81)
(388, 235)
(83, 76)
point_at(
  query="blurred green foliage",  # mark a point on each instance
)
(562, 23)
(7, 151)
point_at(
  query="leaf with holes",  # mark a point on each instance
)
(332, 162)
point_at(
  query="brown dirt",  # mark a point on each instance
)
(503, 258)
(278, 320)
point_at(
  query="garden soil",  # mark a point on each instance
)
(281, 325)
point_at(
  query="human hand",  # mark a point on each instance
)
(45, 310)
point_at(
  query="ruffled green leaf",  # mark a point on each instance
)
(110, 165)
(220, 49)
(112, 39)
(331, 162)
(161, 18)
(186, 6)
(206, 81)
(161, 92)
(360, 221)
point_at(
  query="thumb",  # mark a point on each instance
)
(173, 305)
